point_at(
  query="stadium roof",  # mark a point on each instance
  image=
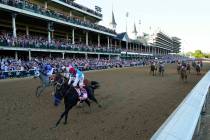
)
(123, 37)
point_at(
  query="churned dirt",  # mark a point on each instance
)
(135, 104)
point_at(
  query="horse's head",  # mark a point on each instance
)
(60, 85)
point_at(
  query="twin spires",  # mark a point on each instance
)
(113, 22)
(134, 30)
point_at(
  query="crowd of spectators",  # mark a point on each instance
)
(10, 67)
(170, 58)
(72, 3)
(26, 5)
(41, 42)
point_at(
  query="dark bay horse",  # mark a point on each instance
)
(178, 68)
(188, 68)
(183, 73)
(153, 69)
(198, 69)
(71, 97)
(161, 70)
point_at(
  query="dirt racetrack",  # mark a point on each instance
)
(135, 104)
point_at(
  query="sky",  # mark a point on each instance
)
(188, 20)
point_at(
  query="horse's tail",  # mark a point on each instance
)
(95, 84)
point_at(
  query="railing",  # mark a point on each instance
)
(72, 47)
(182, 123)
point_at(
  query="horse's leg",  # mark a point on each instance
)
(40, 92)
(38, 89)
(92, 97)
(62, 115)
(88, 103)
(66, 115)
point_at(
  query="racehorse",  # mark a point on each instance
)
(188, 68)
(183, 74)
(153, 69)
(193, 64)
(198, 69)
(161, 70)
(178, 68)
(45, 82)
(71, 97)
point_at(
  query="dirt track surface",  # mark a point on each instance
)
(135, 104)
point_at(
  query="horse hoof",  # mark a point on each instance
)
(53, 127)
(37, 95)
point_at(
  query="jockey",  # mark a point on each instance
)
(184, 65)
(78, 78)
(48, 70)
(161, 64)
(66, 72)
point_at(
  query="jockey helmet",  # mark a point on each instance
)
(48, 67)
(72, 70)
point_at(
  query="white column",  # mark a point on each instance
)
(52, 35)
(84, 18)
(49, 33)
(27, 30)
(73, 36)
(111, 43)
(29, 55)
(108, 42)
(70, 13)
(109, 57)
(99, 40)
(14, 25)
(50, 55)
(120, 44)
(49, 37)
(98, 56)
(63, 55)
(86, 56)
(67, 36)
(45, 5)
(87, 38)
(16, 55)
(126, 46)
(115, 44)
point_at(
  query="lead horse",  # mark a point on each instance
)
(70, 95)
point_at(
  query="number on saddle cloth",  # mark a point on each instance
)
(82, 92)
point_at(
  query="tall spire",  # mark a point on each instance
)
(134, 30)
(113, 22)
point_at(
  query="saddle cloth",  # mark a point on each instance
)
(82, 93)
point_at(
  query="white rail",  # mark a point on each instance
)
(182, 123)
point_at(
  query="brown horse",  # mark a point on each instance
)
(198, 69)
(183, 73)
(188, 68)
(153, 69)
(178, 68)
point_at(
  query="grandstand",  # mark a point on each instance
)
(62, 28)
